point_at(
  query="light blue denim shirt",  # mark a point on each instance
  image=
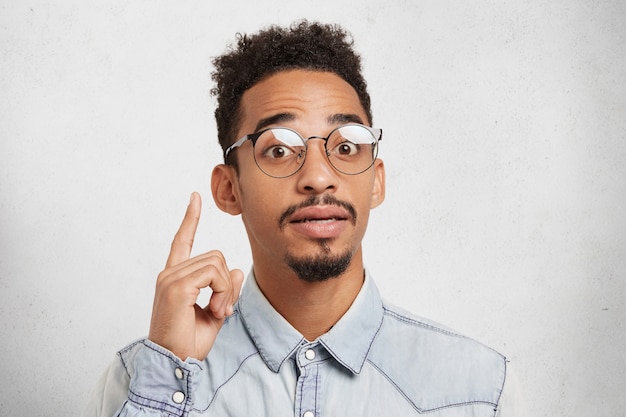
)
(376, 361)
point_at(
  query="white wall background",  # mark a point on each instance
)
(505, 145)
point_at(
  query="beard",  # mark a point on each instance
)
(319, 268)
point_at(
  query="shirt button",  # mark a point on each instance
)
(308, 414)
(178, 397)
(179, 373)
(310, 355)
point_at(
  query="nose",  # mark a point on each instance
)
(317, 176)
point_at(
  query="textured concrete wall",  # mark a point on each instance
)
(504, 141)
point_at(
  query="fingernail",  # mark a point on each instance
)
(192, 197)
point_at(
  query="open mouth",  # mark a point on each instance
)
(319, 214)
(319, 222)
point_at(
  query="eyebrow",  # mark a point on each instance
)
(337, 118)
(344, 118)
(275, 119)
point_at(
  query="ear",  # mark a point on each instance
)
(225, 188)
(378, 190)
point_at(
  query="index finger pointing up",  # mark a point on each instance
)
(183, 240)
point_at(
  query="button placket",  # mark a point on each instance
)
(309, 353)
(310, 358)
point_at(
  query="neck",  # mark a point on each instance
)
(312, 308)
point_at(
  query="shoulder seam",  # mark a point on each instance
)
(418, 323)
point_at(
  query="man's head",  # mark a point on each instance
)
(305, 207)
(309, 46)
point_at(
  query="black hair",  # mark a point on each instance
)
(303, 45)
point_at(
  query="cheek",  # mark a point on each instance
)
(364, 202)
(363, 194)
(260, 204)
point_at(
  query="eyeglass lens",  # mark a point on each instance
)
(280, 152)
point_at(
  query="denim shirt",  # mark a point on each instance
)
(376, 361)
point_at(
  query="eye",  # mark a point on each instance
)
(346, 149)
(278, 152)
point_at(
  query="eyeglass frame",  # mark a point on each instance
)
(377, 134)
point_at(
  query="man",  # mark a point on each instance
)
(309, 335)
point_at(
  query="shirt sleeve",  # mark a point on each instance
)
(145, 379)
(511, 402)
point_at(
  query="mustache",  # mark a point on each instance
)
(316, 200)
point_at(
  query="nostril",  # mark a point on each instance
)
(313, 188)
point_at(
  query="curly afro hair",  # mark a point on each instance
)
(303, 45)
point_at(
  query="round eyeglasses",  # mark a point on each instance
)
(280, 152)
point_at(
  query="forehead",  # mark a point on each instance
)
(299, 97)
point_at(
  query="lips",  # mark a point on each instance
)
(319, 222)
(319, 214)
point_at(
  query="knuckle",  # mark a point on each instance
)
(216, 254)
(215, 271)
(180, 288)
(161, 278)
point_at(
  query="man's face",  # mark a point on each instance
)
(314, 220)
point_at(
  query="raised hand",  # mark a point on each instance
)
(178, 323)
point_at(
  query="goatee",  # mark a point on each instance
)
(319, 268)
(324, 266)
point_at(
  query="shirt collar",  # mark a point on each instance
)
(349, 340)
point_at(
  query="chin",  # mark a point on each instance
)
(319, 268)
